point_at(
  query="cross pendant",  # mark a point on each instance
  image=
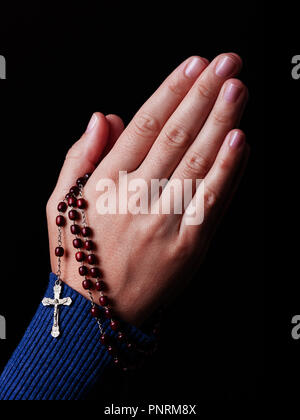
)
(56, 302)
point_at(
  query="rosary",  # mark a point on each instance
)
(84, 254)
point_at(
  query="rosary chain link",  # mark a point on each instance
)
(59, 241)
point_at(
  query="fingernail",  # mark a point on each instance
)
(232, 92)
(236, 139)
(194, 67)
(92, 123)
(225, 67)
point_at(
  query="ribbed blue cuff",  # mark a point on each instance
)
(63, 368)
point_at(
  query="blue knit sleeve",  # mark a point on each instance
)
(63, 368)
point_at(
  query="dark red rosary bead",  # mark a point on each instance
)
(114, 325)
(81, 182)
(91, 259)
(111, 350)
(68, 196)
(59, 251)
(72, 202)
(60, 221)
(121, 336)
(130, 346)
(80, 256)
(87, 284)
(73, 214)
(86, 231)
(95, 311)
(81, 203)
(87, 175)
(103, 300)
(88, 245)
(100, 286)
(74, 190)
(95, 272)
(62, 206)
(75, 229)
(83, 270)
(77, 243)
(104, 339)
(117, 361)
(108, 313)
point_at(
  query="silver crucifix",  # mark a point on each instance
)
(56, 302)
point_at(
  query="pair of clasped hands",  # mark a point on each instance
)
(185, 130)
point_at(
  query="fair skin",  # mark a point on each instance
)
(187, 129)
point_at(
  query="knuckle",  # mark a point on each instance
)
(177, 85)
(177, 136)
(210, 197)
(197, 164)
(75, 151)
(221, 117)
(224, 163)
(145, 125)
(204, 90)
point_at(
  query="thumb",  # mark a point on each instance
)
(85, 154)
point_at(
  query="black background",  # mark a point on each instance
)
(286, 200)
(65, 62)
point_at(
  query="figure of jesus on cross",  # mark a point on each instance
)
(56, 302)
